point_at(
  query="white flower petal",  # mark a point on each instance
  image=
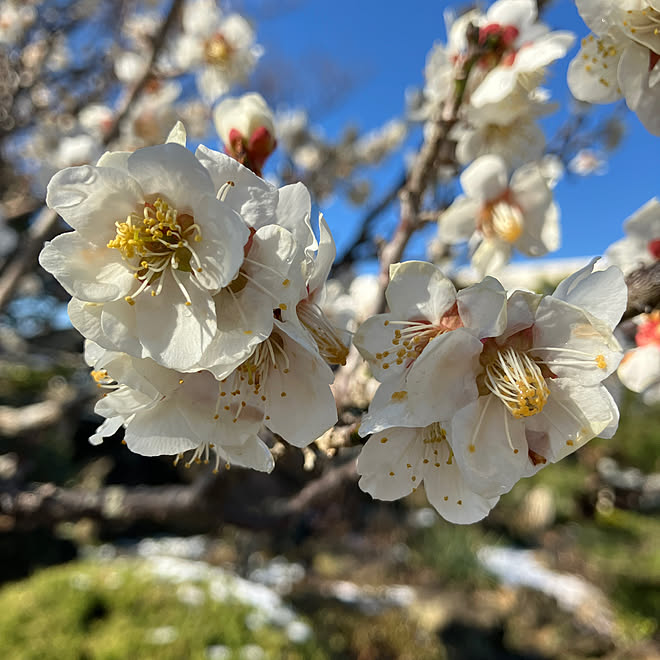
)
(448, 492)
(91, 199)
(581, 347)
(419, 291)
(87, 271)
(517, 13)
(572, 415)
(602, 293)
(172, 172)
(459, 221)
(220, 251)
(252, 197)
(300, 403)
(388, 408)
(173, 333)
(596, 81)
(443, 379)
(640, 368)
(483, 307)
(388, 461)
(485, 179)
(160, 431)
(490, 447)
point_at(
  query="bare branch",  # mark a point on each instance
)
(44, 226)
(643, 290)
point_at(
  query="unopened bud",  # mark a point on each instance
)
(247, 128)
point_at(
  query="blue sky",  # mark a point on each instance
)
(384, 44)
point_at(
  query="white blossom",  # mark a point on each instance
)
(220, 47)
(151, 246)
(507, 128)
(519, 214)
(540, 382)
(395, 462)
(641, 244)
(428, 320)
(166, 412)
(621, 57)
(529, 47)
(639, 370)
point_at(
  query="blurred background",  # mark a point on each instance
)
(107, 554)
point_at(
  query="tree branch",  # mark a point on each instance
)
(44, 225)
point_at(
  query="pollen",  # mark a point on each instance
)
(383, 440)
(434, 433)
(601, 362)
(158, 239)
(506, 221)
(330, 345)
(516, 380)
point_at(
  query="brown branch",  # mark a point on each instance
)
(643, 290)
(247, 499)
(322, 488)
(422, 173)
(44, 225)
(349, 256)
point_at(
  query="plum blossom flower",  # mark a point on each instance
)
(308, 312)
(528, 48)
(507, 128)
(395, 462)
(428, 320)
(221, 47)
(525, 391)
(641, 244)
(621, 57)
(588, 161)
(639, 370)
(166, 412)
(151, 246)
(540, 382)
(519, 214)
(283, 385)
(246, 126)
(287, 382)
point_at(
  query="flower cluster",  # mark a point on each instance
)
(501, 215)
(499, 59)
(480, 388)
(193, 281)
(620, 58)
(639, 370)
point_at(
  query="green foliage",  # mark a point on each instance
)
(450, 550)
(638, 437)
(623, 549)
(113, 611)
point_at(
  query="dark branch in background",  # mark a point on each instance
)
(422, 172)
(353, 251)
(242, 497)
(44, 225)
(643, 290)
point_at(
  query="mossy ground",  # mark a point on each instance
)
(116, 611)
(85, 610)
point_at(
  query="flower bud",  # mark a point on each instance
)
(246, 127)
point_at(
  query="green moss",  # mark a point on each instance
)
(110, 612)
(622, 552)
(450, 550)
(638, 437)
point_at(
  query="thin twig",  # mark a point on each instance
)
(44, 225)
